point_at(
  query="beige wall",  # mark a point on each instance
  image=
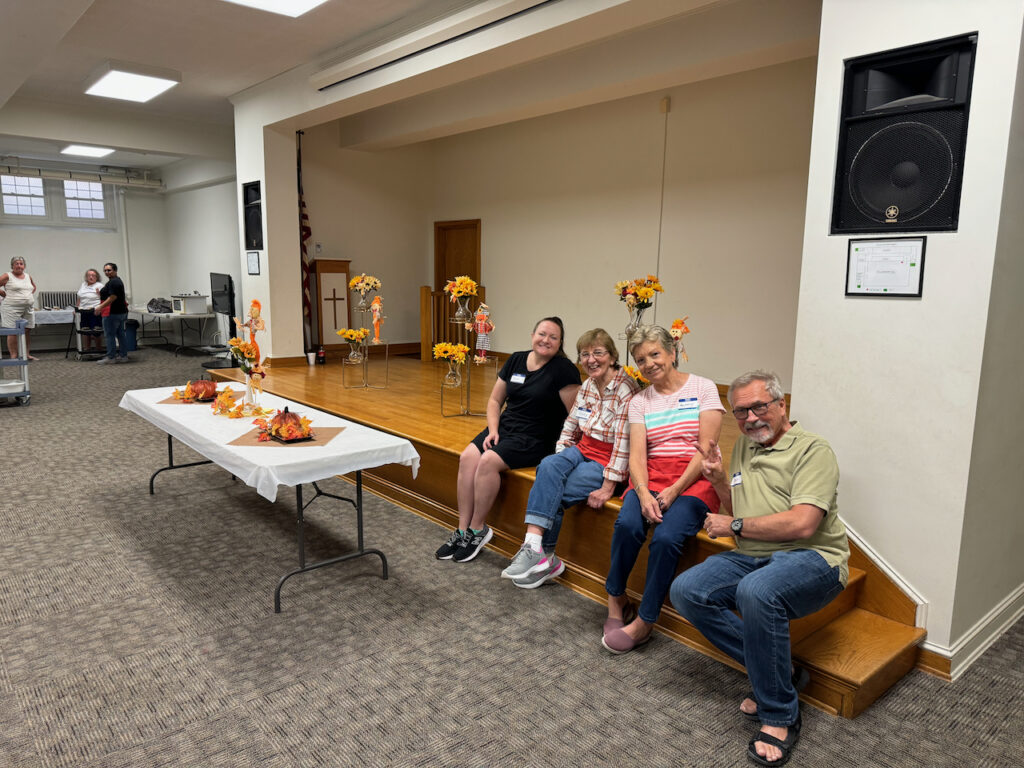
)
(373, 209)
(571, 203)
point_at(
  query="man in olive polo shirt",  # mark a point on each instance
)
(779, 504)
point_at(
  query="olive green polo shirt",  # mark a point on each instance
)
(800, 468)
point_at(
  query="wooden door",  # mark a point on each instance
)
(332, 300)
(456, 252)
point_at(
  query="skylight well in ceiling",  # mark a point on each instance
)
(80, 150)
(291, 8)
(130, 82)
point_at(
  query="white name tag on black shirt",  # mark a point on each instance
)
(518, 378)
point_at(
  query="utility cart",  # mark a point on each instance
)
(15, 388)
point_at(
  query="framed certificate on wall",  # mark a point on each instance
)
(885, 266)
(252, 259)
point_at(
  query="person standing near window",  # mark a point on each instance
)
(17, 288)
(113, 307)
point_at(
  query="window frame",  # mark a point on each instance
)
(55, 205)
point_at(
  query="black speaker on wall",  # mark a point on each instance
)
(252, 215)
(901, 141)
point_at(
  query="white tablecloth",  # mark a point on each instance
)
(54, 316)
(265, 467)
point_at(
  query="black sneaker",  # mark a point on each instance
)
(472, 544)
(450, 547)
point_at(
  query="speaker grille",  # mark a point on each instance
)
(902, 171)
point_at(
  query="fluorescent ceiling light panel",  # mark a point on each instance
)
(291, 8)
(130, 82)
(78, 149)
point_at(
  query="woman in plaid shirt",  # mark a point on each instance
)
(590, 459)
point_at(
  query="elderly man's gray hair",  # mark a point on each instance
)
(770, 379)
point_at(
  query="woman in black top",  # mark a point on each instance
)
(537, 388)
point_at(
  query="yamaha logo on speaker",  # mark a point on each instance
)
(891, 213)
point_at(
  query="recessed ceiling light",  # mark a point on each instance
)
(131, 82)
(291, 8)
(78, 149)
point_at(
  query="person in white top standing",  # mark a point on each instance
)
(17, 289)
(88, 300)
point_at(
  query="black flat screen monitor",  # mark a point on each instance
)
(222, 293)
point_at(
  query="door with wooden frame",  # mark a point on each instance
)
(456, 252)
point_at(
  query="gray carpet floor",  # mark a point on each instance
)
(138, 630)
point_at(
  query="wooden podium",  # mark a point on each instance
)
(332, 301)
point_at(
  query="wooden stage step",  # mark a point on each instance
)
(856, 647)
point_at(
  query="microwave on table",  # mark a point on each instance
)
(188, 304)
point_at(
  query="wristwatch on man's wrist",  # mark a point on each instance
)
(737, 526)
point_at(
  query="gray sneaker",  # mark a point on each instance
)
(523, 563)
(105, 360)
(124, 359)
(549, 567)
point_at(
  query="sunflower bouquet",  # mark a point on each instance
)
(638, 293)
(363, 284)
(461, 286)
(353, 334)
(635, 374)
(455, 352)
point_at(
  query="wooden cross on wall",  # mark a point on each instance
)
(334, 298)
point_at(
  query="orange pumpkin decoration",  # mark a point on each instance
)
(204, 389)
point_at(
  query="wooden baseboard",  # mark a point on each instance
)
(934, 664)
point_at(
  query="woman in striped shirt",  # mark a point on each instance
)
(590, 459)
(671, 424)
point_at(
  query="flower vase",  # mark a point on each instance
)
(355, 355)
(462, 313)
(453, 378)
(251, 399)
(363, 305)
(636, 319)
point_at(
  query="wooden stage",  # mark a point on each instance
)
(872, 620)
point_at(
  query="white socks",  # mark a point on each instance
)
(533, 542)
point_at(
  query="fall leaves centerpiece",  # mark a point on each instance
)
(285, 427)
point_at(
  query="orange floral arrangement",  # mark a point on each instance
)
(286, 426)
(638, 293)
(461, 286)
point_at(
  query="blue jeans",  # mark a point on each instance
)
(684, 518)
(563, 479)
(113, 329)
(768, 592)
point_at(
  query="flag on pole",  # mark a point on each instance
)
(305, 232)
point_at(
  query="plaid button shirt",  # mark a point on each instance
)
(608, 421)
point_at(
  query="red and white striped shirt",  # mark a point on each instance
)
(673, 421)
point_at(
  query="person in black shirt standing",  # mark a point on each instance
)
(536, 388)
(112, 296)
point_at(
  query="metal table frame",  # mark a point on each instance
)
(300, 507)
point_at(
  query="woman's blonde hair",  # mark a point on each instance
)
(656, 334)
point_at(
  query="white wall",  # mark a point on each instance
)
(893, 384)
(993, 493)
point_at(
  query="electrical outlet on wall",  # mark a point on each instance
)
(318, 248)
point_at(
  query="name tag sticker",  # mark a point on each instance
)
(518, 378)
(582, 413)
(737, 479)
(687, 404)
